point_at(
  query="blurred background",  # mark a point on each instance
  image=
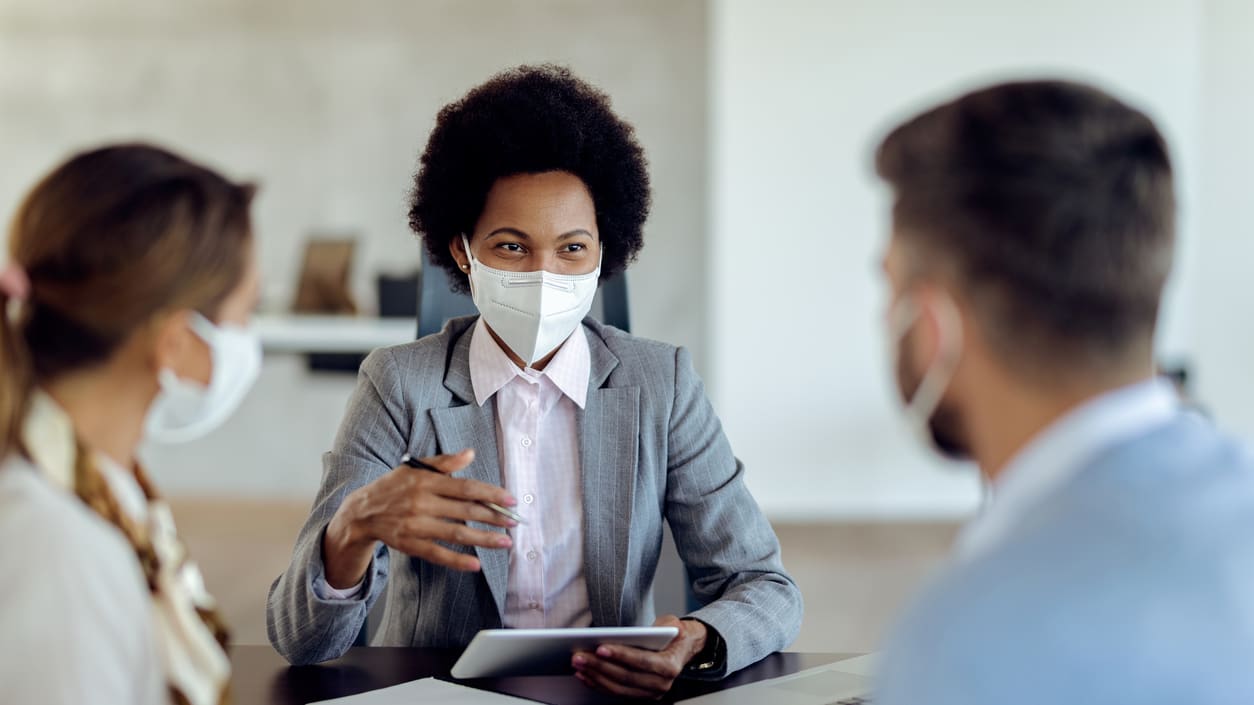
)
(759, 120)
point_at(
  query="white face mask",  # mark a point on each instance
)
(532, 312)
(920, 406)
(186, 410)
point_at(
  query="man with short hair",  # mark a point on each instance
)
(1033, 227)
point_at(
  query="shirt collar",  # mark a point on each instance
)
(1061, 451)
(491, 369)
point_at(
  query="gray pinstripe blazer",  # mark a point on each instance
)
(652, 449)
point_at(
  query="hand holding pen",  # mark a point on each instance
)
(417, 464)
(415, 513)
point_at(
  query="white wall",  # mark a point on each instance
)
(328, 104)
(801, 92)
(1224, 303)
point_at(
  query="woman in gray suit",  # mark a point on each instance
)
(533, 191)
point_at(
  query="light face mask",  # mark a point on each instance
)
(532, 312)
(920, 406)
(185, 410)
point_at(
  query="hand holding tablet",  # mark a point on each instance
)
(534, 652)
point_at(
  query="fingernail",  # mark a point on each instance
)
(604, 652)
(504, 542)
(580, 662)
(511, 523)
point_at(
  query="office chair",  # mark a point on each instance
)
(437, 302)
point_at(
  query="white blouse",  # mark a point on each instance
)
(76, 617)
(77, 620)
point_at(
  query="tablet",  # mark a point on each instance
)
(496, 653)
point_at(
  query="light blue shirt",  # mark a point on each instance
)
(1115, 565)
(1061, 450)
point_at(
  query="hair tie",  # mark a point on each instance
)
(14, 283)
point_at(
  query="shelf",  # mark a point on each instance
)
(301, 334)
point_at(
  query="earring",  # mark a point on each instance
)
(465, 266)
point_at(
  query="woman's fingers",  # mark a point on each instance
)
(432, 529)
(468, 490)
(411, 509)
(439, 555)
(599, 679)
(467, 511)
(450, 462)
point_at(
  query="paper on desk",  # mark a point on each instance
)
(427, 690)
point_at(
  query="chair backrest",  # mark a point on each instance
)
(437, 302)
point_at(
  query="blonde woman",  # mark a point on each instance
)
(130, 281)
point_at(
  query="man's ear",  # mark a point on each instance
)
(925, 340)
(941, 315)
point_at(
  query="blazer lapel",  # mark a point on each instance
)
(473, 426)
(608, 438)
(608, 444)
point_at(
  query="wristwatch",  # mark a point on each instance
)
(713, 657)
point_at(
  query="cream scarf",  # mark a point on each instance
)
(189, 634)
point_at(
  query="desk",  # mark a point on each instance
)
(262, 676)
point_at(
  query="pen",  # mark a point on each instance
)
(413, 462)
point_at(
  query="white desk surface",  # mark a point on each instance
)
(294, 333)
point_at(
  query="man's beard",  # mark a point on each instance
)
(945, 425)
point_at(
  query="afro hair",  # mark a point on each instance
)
(530, 120)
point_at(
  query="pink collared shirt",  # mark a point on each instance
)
(538, 440)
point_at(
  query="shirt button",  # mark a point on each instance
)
(526, 442)
(528, 498)
(532, 555)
